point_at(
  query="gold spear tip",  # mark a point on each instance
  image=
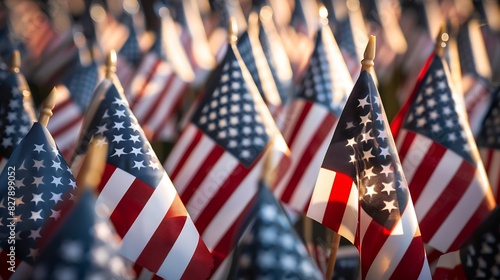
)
(15, 62)
(232, 31)
(369, 55)
(441, 40)
(48, 105)
(111, 64)
(90, 174)
(323, 15)
(266, 14)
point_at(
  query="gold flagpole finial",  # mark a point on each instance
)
(111, 64)
(369, 55)
(441, 40)
(48, 105)
(15, 62)
(323, 15)
(232, 31)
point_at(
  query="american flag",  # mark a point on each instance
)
(449, 266)
(128, 57)
(488, 142)
(16, 115)
(142, 203)
(378, 216)
(270, 248)
(216, 163)
(476, 72)
(441, 162)
(73, 97)
(42, 182)
(481, 255)
(159, 86)
(253, 56)
(84, 245)
(311, 119)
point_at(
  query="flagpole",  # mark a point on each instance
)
(93, 165)
(48, 105)
(366, 65)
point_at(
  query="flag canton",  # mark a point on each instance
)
(43, 182)
(434, 112)
(271, 249)
(317, 84)
(128, 148)
(16, 117)
(81, 84)
(481, 258)
(245, 49)
(130, 49)
(85, 247)
(345, 39)
(489, 137)
(266, 47)
(230, 116)
(362, 148)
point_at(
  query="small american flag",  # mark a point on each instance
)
(488, 142)
(216, 163)
(378, 216)
(84, 245)
(441, 162)
(312, 117)
(157, 232)
(128, 57)
(158, 87)
(42, 182)
(270, 248)
(72, 100)
(16, 115)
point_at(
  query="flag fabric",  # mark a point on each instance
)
(17, 115)
(73, 97)
(270, 248)
(216, 163)
(377, 214)
(480, 256)
(476, 72)
(441, 162)
(83, 246)
(449, 266)
(128, 57)
(489, 144)
(35, 182)
(311, 119)
(255, 60)
(159, 86)
(157, 232)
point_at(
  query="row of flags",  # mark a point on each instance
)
(389, 188)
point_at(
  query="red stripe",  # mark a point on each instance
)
(433, 255)
(306, 158)
(108, 172)
(223, 193)
(130, 205)
(405, 147)
(483, 210)
(427, 166)
(410, 266)
(149, 75)
(201, 173)
(200, 265)
(166, 118)
(187, 153)
(164, 237)
(67, 126)
(373, 240)
(336, 206)
(232, 235)
(160, 99)
(303, 114)
(447, 200)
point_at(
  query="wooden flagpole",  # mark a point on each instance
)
(48, 105)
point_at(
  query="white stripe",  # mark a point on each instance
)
(292, 117)
(416, 153)
(304, 189)
(232, 208)
(112, 193)
(321, 194)
(179, 257)
(308, 128)
(167, 103)
(441, 176)
(461, 213)
(180, 148)
(494, 171)
(401, 138)
(210, 185)
(449, 260)
(193, 162)
(147, 221)
(69, 138)
(349, 224)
